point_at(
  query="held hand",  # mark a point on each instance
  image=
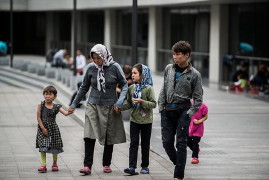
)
(70, 110)
(137, 100)
(118, 90)
(117, 110)
(45, 131)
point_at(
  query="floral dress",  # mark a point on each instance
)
(53, 142)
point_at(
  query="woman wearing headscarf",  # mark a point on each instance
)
(103, 119)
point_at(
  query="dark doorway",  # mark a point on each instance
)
(28, 31)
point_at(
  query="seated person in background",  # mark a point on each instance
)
(243, 71)
(259, 82)
(69, 61)
(241, 84)
(58, 59)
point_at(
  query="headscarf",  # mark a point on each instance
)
(145, 81)
(102, 51)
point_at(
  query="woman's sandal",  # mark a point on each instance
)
(85, 170)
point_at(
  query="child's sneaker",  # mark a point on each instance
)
(130, 171)
(42, 169)
(195, 161)
(144, 170)
(107, 169)
(85, 170)
(54, 167)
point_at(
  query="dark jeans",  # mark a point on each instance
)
(135, 130)
(193, 144)
(89, 151)
(176, 123)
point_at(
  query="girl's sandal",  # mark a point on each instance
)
(54, 167)
(42, 169)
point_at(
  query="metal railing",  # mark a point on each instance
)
(200, 60)
(232, 63)
(123, 54)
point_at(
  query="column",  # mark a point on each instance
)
(49, 30)
(154, 41)
(110, 30)
(80, 26)
(218, 42)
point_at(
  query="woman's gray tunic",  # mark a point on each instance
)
(101, 120)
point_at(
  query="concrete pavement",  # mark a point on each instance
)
(235, 144)
(19, 159)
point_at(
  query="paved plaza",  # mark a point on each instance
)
(235, 144)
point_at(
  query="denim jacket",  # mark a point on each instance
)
(188, 86)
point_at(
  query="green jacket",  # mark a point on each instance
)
(148, 104)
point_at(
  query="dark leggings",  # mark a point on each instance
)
(89, 151)
(193, 144)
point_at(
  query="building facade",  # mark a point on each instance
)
(215, 29)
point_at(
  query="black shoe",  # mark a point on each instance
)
(130, 171)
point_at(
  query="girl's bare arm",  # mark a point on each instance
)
(65, 112)
(204, 118)
(201, 120)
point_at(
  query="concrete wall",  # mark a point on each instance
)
(39, 5)
(51, 5)
(17, 5)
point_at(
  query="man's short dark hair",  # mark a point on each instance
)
(182, 46)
